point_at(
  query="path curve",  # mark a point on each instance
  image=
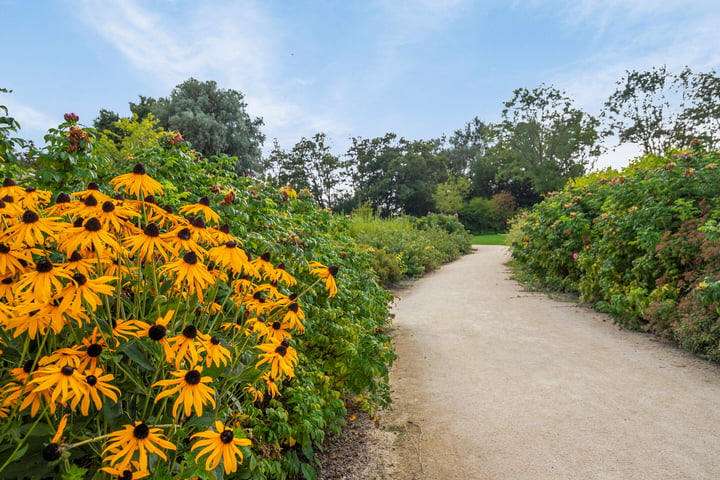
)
(496, 383)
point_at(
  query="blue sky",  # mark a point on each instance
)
(420, 68)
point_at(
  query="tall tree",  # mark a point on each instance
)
(658, 109)
(214, 121)
(541, 142)
(397, 175)
(310, 165)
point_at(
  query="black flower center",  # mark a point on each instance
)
(157, 332)
(225, 228)
(281, 266)
(90, 201)
(276, 326)
(8, 182)
(333, 269)
(79, 279)
(204, 201)
(7, 280)
(30, 189)
(51, 452)
(231, 244)
(62, 198)
(78, 222)
(198, 223)
(92, 225)
(91, 380)
(94, 350)
(184, 234)
(141, 431)
(30, 217)
(192, 377)
(8, 198)
(215, 340)
(126, 475)
(151, 230)
(75, 257)
(150, 199)
(281, 350)
(28, 367)
(43, 266)
(108, 206)
(293, 296)
(93, 186)
(265, 256)
(190, 332)
(293, 307)
(227, 436)
(168, 209)
(67, 370)
(139, 169)
(190, 258)
(4, 248)
(118, 196)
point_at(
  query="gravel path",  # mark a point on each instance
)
(493, 382)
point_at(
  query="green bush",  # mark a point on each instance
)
(641, 244)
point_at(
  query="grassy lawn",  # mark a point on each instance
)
(494, 239)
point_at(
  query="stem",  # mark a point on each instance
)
(22, 442)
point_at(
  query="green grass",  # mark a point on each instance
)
(493, 239)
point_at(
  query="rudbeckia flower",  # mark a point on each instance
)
(294, 317)
(84, 291)
(191, 275)
(92, 189)
(281, 275)
(148, 243)
(127, 473)
(42, 283)
(262, 264)
(89, 234)
(122, 445)
(32, 198)
(64, 381)
(95, 384)
(54, 449)
(272, 387)
(11, 189)
(278, 331)
(220, 444)
(114, 218)
(33, 229)
(328, 273)
(157, 332)
(193, 393)
(215, 353)
(137, 183)
(281, 357)
(202, 206)
(30, 321)
(77, 263)
(230, 255)
(188, 344)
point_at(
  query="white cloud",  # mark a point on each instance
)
(29, 117)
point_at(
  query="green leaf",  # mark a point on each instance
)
(308, 472)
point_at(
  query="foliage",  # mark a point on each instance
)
(658, 109)
(343, 352)
(309, 165)
(450, 194)
(482, 215)
(412, 245)
(641, 245)
(396, 176)
(214, 121)
(9, 145)
(544, 141)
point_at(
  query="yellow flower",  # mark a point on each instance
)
(191, 275)
(89, 235)
(64, 381)
(157, 333)
(328, 273)
(12, 260)
(148, 243)
(33, 229)
(215, 353)
(137, 183)
(188, 345)
(182, 237)
(231, 255)
(95, 384)
(193, 394)
(272, 387)
(114, 217)
(294, 317)
(54, 449)
(256, 394)
(281, 357)
(122, 445)
(220, 444)
(202, 206)
(42, 283)
(126, 473)
(281, 275)
(83, 290)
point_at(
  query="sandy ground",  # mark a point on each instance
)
(496, 383)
